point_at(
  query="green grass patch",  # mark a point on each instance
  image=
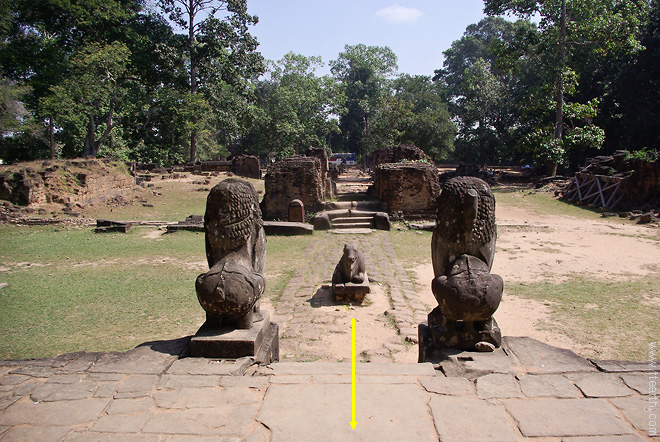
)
(285, 254)
(413, 247)
(47, 311)
(618, 318)
(70, 289)
(65, 244)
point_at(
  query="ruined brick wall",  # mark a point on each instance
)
(290, 179)
(322, 155)
(63, 182)
(247, 166)
(407, 187)
(397, 154)
(643, 186)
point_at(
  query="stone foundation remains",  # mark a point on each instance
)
(329, 186)
(397, 154)
(247, 166)
(410, 188)
(63, 182)
(290, 179)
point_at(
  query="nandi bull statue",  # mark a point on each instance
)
(236, 252)
(462, 250)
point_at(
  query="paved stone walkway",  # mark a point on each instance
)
(525, 391)
(306, 312)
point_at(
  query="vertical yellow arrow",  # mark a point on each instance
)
(353, 421)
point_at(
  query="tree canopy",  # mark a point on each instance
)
(185, 81)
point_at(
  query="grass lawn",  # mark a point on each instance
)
(70, 289)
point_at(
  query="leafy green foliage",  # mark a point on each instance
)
(600, 36)
(363, 73)
(294, 108)
(416, 113)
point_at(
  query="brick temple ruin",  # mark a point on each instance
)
(296, 178)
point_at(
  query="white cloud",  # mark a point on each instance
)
(399, 14)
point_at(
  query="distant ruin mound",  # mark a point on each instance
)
(398, 154)
(65, 182)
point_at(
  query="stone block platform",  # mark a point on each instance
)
(525, 391)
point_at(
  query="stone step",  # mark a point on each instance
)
(366, 225)
(353, 220)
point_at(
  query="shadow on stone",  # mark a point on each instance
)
(322, 298)
(175, 347)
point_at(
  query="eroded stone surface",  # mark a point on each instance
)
(602, 385)
(41, 434)
(307, 412)
(539, 357)
(459, 419)
(635, 409)
(548, 386)
(566, 417)
(638, 382)
(221, 420)
(61, 413)
(498, 386)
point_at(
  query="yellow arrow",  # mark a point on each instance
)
(353, 421)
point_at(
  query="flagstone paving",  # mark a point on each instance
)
(306, 312)
(195, 399)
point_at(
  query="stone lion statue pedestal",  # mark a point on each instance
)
(229, 292)
(462, 249)
(350, 282)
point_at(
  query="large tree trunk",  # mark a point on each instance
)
(193, 79)
(51, 130)
(88, 150)
(551, 169)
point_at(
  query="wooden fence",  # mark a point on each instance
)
(599, 190)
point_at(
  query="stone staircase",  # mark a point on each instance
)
(344, 215)
(364, 221)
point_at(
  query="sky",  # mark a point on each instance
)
(418, 31)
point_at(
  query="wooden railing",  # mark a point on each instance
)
(598, 190)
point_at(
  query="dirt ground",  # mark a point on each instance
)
(532, 248)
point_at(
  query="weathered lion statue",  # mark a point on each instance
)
(236, 253)
(462, 249)
(351, 266)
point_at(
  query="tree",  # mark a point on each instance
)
(490, 77)
(363, 73)
(578, 30)
(219, 50)
(416, 113)
(46, 36)
(294, 107)
(636, 98)
(481, 103)
(92, 93)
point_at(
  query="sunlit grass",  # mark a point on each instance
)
(615, 318)
(70, 289)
